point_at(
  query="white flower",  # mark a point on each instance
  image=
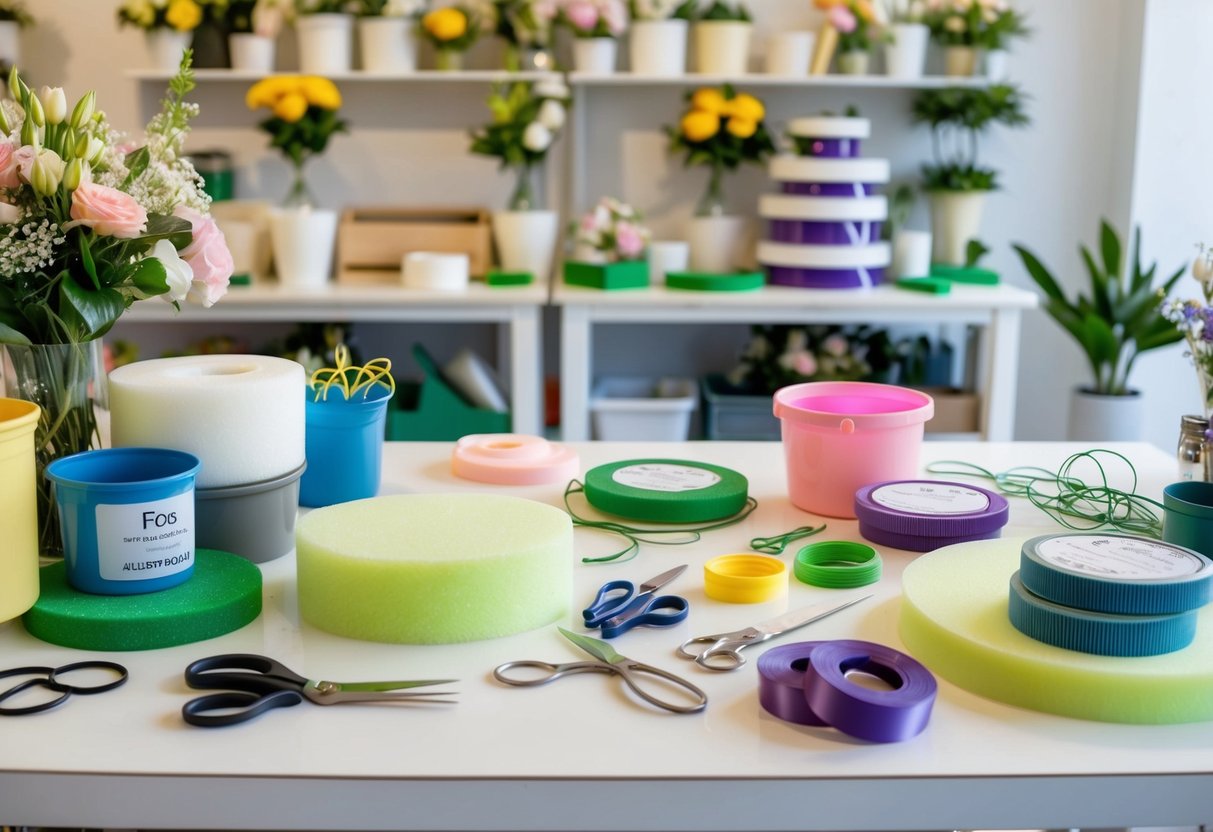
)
(177, 273)
(552, 89)
(54, 103)
(403, 8)
(9, 214)
(47, 172)
(536, 138)
(955, 24)
(551, 114)
(1202, 268)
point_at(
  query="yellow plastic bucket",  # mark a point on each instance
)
(18, 508)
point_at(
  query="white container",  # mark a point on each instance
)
(905, 56)
(326, 43)
(666, 256)
(10, 43)
(1095, 418)
(434, 270)
(303, 246)
(960, 61)
(911, 254)
(995, 63)
(719, 245)
(251, 53)
(595, 56)
(526, 241)
(658, 47)
(165, 48)
(643, 410)
(722, 47)
(955, 219)
(789, 53)
(389, 46)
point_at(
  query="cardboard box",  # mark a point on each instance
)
(372, 242)
(956, 411)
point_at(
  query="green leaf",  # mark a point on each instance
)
(8, 335)
(136, 164)
(148, 277)
(176, 230)
(1100, 295)
(1041, 276)
(1100, 341)
(1109, 245)
(974, 251)
(88, 314)
(86, 258)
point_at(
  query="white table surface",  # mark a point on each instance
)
(579, 754)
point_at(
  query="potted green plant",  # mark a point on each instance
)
(958, 27)
(168, 28)
(253, 27)
(1114, 321)
(658, 36)
(451, 30)
(387, 34)
(326, 35)
(722, 39)
(905, 51)
(1003, 24)
(857, 27)
(956, 184)
(596, 25)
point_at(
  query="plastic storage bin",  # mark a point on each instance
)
(732, 416)
(433, 412)
(642, 410)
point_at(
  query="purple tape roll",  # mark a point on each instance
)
(825, 189)
(873, 715)
(806, 278)
(825, 233)
(827, 148)
(924, 515)
(781, 682)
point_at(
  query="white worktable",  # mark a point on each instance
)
(579, 754)
(994, 309)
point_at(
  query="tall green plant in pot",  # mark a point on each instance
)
(1114, 321)
(956, 183)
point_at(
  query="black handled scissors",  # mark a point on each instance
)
(621, 605)
(51, 678)
(269, 684)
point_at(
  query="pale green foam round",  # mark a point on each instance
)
(434, 568)
(954, 620)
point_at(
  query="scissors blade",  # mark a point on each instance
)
(598, 649)
(653, 584)
(804, 615)
(384, 686)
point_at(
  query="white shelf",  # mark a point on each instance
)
(469, 76)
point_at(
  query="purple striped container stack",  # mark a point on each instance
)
(824, 225)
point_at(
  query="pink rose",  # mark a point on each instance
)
(208, 256)
(629, 241)
(582, 15)
(107, 211)
(8, 166)
(22, 161)
(804, 364)
(842, 19)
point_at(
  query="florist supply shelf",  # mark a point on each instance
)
(996, 310)
(421, 76)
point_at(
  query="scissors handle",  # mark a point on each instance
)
(238, 706)
(633, 672)
(723, 650)
(548, 672)
(609, 602)
(265, 675)
(663, 611)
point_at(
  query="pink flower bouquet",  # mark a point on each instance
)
(611, 233)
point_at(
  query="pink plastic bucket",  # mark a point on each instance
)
(839, 436)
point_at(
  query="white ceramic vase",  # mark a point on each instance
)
(251, 53)
(325, 43)
(1096, 418)
(303, 241)
(959, 61)
(10, 43)
(995, 64)
(389, 46)
(789, 53)
(658, 47)
(666, 256)
(955, 219)
(855, 62)
(722, 47)
(905, 56)
(595, 56)
(911, 254)
(165, 48)
(719, 245)
(526, 241)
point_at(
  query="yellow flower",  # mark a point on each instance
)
(865, 10)
(742, 128)
(320, 92)
(445, 24)
(291, 107)
(709, 100)
(747, 108)
(267, 92)
(183, 15)
(699, 125)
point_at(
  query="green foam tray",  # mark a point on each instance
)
(702, 282)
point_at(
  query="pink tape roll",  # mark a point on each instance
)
(513, 459)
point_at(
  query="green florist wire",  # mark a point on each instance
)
(351, 379)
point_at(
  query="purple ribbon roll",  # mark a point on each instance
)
(781, 682)
(808, 278)
(842, 233)
(874, 715)
(825, 189)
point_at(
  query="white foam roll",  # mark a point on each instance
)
(809, 169)
(468, 373)
(823, 208)
(242, 415)
(830, 127)
(432, 270)
(823, 257)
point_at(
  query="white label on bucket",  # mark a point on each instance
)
(665, 477)
(930, 498)
(142, 541)
(1118, 558)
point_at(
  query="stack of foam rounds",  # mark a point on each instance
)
(243, 417)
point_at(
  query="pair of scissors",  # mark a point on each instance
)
(723, 651)
(51, 678)
(631, 671)
(257, 683)
(621, 605)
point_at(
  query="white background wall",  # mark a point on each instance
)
(1083, 157)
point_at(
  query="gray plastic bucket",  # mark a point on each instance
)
(255, 521)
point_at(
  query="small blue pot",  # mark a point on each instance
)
(1188, 515)
(344, 447)
(127, 516)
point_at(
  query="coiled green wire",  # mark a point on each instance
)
(775, 544)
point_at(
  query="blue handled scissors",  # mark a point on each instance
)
(257, 683)
(621, 605)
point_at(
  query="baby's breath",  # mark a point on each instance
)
(29, 247)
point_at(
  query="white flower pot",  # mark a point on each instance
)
(1095, 418)
(10, 43)
(389, 45)
(855, 62)
(789, 53)
(595, 56)
(667, 256)
(251, 53)
(658, 47)
(325, 43)
(905, 56)
(165, 48)
(955, 219)
(303, 246)
(911, 254)
(995, 61)
(722, 47)
(960, 61)
(719, 245)
(526, 241)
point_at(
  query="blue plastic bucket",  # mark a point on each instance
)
(127, 516)
(344, 447)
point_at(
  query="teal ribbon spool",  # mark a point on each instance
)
(837, 564)
(666, 490)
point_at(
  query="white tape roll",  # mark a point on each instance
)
(869, 256)
(830, 127)
(822, 208)
(845, 171)
(432, 270)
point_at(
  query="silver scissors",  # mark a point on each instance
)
(611, 662)
(724, 649)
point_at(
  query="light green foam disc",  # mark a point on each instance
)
(434, 568)
(222, 595)
(954, 620)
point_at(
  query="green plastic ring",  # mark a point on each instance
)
(837, 564)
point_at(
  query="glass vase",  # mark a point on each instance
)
(523, 198)
(68, 382)
(712, 203)
(299, 195)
